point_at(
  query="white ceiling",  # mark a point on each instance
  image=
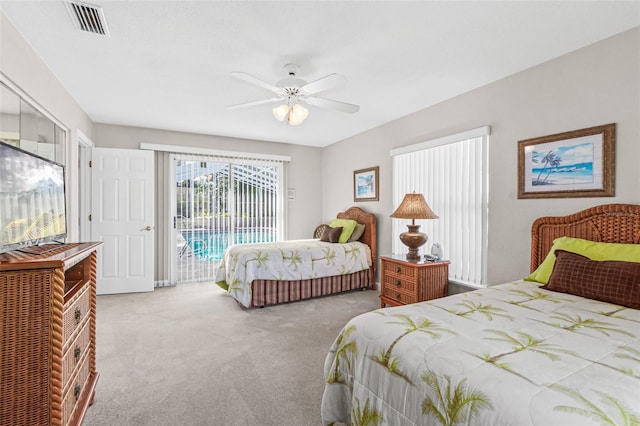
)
(167, 64)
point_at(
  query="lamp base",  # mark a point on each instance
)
(413, 239)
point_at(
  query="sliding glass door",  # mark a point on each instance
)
(220, 202)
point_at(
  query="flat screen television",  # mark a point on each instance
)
(32, 200)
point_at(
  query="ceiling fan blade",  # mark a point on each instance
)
(331, 104)
(250, 104)
(253, 80)
(327, 82)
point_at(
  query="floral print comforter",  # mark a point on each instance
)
(513, 354)
(287, 261)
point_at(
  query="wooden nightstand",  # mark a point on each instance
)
(408, 281)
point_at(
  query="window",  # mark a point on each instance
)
(451, 173)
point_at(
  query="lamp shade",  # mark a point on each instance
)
(280, 112)
(414, 206)
(297, 114)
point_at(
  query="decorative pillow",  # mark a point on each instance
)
(592, 249)
(348, 226)
(610, 281)
(331, 235)
(357, 233)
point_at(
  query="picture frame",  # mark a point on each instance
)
(579, 163)
(366, 184)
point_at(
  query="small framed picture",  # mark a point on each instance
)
(579, 163)
(365, 184)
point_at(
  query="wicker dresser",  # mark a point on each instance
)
(47, 335)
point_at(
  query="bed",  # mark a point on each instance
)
(242, 266)
(511, 354)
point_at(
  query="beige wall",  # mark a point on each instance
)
(595, 85)
(303, 172)
(20, 66)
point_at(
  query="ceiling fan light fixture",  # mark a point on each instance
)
(280, 112)
(297, 114)
(291, 90)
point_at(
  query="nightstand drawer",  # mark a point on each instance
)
(395, 283)
(399, 269)
(399, 296)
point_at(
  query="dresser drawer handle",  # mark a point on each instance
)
(77, 315)
(398, 269)
(398, 296)
(76, 353)
(76, 391)
(398, 283)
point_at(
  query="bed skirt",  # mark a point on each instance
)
(272, 292)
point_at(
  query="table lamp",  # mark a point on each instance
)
(413, 207)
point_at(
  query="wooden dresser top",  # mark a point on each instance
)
(66, 255)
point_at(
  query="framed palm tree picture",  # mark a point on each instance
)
(579, 163)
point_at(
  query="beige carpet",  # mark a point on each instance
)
(189, 355)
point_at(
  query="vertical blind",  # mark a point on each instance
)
(451, 173)
(222, 201)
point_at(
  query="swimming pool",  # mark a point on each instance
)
(209, 245)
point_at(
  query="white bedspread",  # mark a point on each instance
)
(513, 354)
(287, 261)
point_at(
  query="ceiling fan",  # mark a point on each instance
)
(292, 91)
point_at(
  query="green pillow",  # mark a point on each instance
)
(592, 249)
(347, 225)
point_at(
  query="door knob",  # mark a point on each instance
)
(146, 228)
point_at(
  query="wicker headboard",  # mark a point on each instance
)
(369, 236)
(609, 223)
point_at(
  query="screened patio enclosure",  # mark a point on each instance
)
(219, 203)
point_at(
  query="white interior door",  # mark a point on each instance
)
(122, 204)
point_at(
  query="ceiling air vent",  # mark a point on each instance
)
(87, 17)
